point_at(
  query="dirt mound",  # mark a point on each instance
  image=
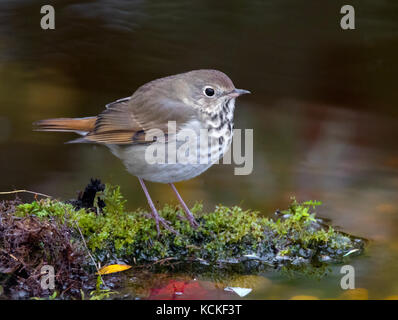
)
(27, 244)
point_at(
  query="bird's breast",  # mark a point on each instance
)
(191, 151)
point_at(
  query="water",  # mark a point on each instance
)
(323, 110)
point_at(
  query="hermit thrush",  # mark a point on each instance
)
(200, 100)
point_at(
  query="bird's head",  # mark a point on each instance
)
(207, 90)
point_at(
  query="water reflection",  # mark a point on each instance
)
(322, 109)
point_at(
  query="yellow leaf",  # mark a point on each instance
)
(112, 268)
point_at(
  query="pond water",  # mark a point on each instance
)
(323, 112)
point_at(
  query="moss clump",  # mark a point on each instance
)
(228, 234)
(298, 235)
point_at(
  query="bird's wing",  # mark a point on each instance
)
(128, 120)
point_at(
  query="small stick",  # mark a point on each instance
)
(11, 255)
(162, 261)
(88, 251)
(26, 191)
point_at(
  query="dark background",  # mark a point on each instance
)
(323, 106)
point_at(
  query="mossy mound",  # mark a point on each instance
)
(228, 240)
(226, 235)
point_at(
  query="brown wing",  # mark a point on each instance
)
(127, 120)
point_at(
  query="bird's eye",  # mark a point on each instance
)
(209, 91)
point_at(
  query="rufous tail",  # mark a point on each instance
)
(78, 125)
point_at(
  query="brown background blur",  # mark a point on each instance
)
(323, 108)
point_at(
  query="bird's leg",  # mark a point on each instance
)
(189, 214)
(155, 213)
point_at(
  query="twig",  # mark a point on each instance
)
(11, 255)
(26, 191)
(88, 251)
(162, 261)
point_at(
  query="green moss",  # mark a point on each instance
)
(226, 234)
(46, 208)
(299, 226)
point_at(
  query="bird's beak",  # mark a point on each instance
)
(238, 92)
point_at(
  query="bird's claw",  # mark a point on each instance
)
(165, 224)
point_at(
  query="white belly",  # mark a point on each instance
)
(169, 170)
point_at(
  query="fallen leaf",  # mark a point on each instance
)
(112, 268)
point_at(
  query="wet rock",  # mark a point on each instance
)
(324, 258)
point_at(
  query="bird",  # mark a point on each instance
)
(195, 101)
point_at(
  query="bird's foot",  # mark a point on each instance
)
(194, 224)
(166, 224)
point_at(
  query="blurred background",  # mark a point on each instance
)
(323, 106)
